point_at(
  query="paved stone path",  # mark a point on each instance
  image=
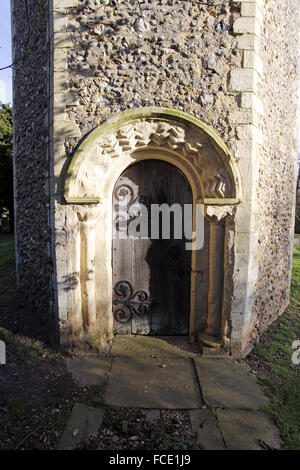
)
(223, 396)
(83, 422)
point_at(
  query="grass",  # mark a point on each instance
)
(295, 287)
(7, 249)
(278, 375)
(7, 265)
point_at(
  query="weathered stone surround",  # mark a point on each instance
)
(215, 63)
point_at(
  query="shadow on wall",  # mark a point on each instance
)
(69, 282)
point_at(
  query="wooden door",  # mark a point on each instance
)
(151, 276)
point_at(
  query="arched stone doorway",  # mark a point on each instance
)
(184, 142)
(151, 267)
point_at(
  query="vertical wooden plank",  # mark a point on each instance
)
(120, 262)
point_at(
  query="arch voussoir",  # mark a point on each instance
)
(190, 141)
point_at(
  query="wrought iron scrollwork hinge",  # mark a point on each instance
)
(128, 206)
(129, 302)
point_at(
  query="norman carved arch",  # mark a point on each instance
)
(189, 143)
(97, 163)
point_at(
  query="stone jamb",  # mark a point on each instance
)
(244, 81)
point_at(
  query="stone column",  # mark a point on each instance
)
(228, 279)
(216, 275)
(75, 300)
(88, 275)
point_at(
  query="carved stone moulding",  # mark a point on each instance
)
(130, 136)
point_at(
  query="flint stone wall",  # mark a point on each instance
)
(31, 156)
(174, 54)
(276, 186)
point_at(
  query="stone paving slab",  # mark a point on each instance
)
(83, 422)
(229, 384)
(149, 346)
(89, 370)
(153, 383)
(248, 430)
(205, 425)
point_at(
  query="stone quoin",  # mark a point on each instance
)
(209, 88)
